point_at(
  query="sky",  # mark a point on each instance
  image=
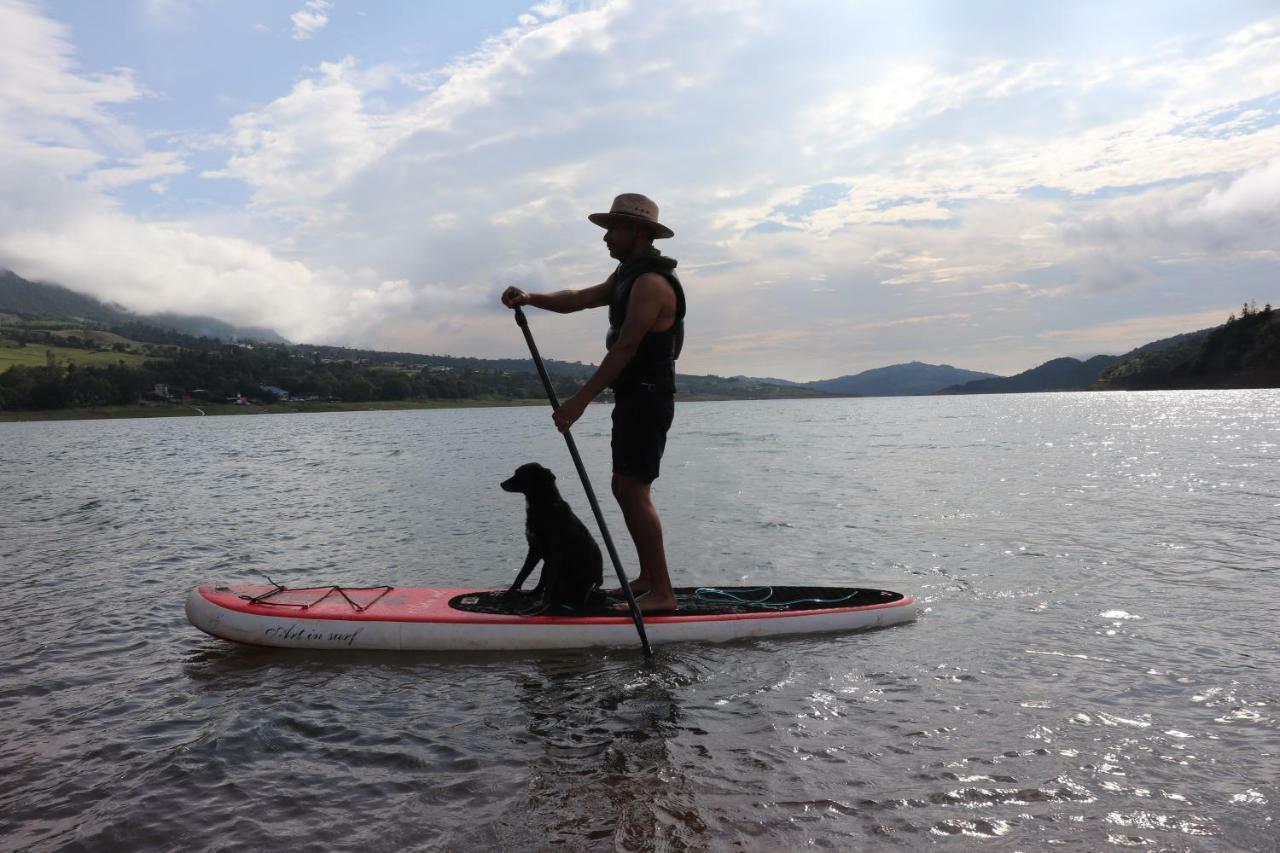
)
(988, 185)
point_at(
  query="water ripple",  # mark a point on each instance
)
(1094, 666)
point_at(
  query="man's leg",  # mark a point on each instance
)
(653, 587)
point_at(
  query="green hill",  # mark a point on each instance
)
(1242, 353)
(898, 380)
(1059, 374)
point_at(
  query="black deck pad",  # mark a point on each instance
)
(692, 601)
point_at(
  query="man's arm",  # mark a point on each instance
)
(563, 301)
(648, 295)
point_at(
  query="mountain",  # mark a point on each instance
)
(1168, 345)
(690, 385)
(767, 380)
(1059, 374)
(1239, 354)
(1242, 353)
(898, 380)
(40, 301)
(49, 301)
(208, 327)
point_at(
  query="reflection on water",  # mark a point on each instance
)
(595, 740)
(1095, 665)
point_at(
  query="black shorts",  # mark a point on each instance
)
(641, 419)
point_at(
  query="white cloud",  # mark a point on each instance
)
(171, 267)
(1253, 197)
(40, 88)
(57, 129)
(551, 8)
(61, 150)
(310, 19)
(132, 170)
(912, 92)
(302, 146)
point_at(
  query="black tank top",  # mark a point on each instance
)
(654, 364)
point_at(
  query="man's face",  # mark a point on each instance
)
(620, 238)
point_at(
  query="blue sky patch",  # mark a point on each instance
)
(817, 197)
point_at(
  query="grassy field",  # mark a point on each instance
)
(197, 408)
(99, 337)
(33, 355)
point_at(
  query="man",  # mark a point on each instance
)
(646, 332)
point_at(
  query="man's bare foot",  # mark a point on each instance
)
(650, 603)
(638, 588)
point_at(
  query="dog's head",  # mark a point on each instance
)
(528, 478)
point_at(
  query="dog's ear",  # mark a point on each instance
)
(539, 472)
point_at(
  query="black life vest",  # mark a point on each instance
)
(654, 364)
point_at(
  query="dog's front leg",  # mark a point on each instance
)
(529, 562)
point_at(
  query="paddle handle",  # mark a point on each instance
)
(636, 617)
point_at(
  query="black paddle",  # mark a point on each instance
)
(586, 484)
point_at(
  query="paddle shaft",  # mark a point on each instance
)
(523, 323)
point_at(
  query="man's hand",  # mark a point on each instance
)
(514, 297)
(569, 412)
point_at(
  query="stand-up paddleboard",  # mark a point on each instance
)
(414, 618)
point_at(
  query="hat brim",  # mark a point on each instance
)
(604, 220)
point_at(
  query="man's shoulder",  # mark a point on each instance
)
(653, 279)
(653, 286)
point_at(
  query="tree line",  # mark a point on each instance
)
(1244, 352)
(217, 374)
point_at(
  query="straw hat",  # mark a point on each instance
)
(633, 207)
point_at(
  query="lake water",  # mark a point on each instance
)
(1096, 665)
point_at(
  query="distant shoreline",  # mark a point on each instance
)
(196, 409)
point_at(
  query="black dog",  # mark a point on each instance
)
(572, 568)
